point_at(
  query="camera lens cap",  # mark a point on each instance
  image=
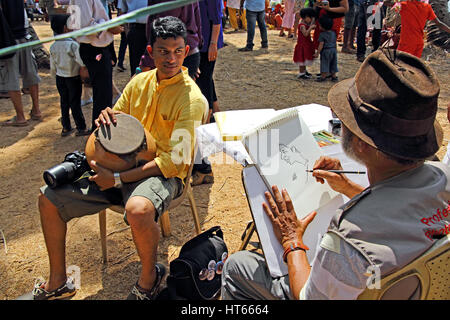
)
(122, 138)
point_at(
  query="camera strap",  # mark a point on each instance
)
(85, 175)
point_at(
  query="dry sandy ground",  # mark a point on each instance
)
(258, 79)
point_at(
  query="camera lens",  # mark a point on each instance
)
(59, 174)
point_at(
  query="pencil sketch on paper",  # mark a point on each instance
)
(291, 155)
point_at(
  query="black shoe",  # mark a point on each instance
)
(85, 132)
(245, 49)
(66, 132)
(265, 46)
(320, 79)
(360, 58)
(304, 76)
(121, 68)
(138, 293)
(334, 79)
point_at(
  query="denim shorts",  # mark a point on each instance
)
(328, 60)
(84, 197)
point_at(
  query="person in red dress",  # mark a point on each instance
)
(304, 49)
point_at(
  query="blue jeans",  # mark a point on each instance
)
(362, 30)
(252, 17)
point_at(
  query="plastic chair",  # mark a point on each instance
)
(164, 219)
(426, 278)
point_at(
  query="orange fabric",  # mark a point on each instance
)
(414, 16)
(278, 21)
(414, 49)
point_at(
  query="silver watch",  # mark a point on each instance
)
(117, 181)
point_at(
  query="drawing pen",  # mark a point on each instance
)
(341, 171)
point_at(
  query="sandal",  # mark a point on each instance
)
(35, 117)
(13, 123)
(138, 293)
(66, 132)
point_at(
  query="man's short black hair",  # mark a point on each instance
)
(167, 27)
(308, 12)
(326, 22)
(58, 21)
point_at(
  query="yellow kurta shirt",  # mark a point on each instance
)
(170, 110)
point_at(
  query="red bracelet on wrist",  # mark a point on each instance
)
(293, 246)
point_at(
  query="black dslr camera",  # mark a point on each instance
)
(73, 167)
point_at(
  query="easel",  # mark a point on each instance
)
(247, 235)
(251, 228)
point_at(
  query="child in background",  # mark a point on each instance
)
(66, 64)
(304, 49)
(327, 50)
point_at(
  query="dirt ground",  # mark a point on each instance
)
(258, 79)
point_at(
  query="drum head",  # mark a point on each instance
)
(123, 138)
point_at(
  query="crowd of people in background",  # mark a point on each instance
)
(363, 19)
(87, 62)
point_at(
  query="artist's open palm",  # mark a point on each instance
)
(281, 212)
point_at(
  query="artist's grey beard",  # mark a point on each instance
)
(347, 137)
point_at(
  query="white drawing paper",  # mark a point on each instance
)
(283, 150)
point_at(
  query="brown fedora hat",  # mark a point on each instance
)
(391, 104)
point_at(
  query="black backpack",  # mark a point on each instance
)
(6, 36)
(183, 282)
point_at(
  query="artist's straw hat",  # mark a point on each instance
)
(391, 104)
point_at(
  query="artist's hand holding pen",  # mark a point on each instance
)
(339, 182)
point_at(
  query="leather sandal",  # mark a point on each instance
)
(14, 123)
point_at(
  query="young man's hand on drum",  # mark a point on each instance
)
(106, 117)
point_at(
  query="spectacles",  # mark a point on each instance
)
(213, 268)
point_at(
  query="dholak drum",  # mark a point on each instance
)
(121, 146)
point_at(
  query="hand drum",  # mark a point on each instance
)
(121, 146)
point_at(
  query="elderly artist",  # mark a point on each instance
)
(166, 101)
(391, 131)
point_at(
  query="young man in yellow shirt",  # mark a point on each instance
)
(169, 105)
